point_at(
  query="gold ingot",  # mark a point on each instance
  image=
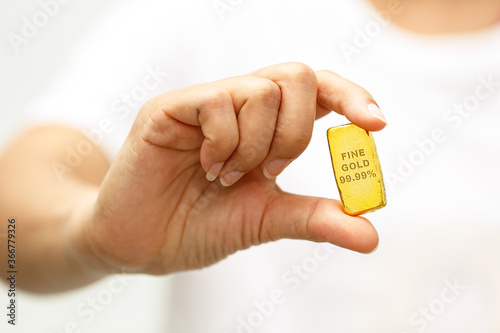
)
(357, 169)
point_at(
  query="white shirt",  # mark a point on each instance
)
(436, 269)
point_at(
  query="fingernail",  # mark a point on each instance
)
(230, 178)
(374, 110)
(274, 168)
(214, 171)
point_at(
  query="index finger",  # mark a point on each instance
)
(349, 99)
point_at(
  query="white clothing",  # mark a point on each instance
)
(438, 234)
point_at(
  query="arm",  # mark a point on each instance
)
(46, 206)
(158, 210)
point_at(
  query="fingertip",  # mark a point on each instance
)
(230, 178)
(318, 220)
(370, 241)
(374, 110)
(214, 171)
(374, 250)
(274, 168)
(364, 240)
(366, 115)
(355, 233)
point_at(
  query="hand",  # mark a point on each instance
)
(159, 209)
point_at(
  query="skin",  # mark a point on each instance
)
(443, 17)
(153, 210)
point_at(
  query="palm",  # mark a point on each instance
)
(218, 221)
(154, 226)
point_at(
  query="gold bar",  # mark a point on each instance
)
(357, 169)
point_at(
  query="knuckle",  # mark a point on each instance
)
(153, 101)
(149, 117)
(152, 105)
(215, 97)
(267, 92)
(300, 72)
(325, 72)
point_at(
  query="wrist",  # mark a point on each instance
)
(80, 245)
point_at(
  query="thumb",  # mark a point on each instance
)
(318, 220)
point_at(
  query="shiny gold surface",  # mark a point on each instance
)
(357, 169)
